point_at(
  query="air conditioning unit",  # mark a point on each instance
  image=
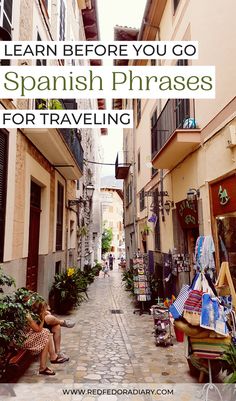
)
(231, 140)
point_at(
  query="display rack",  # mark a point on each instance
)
(141, 282)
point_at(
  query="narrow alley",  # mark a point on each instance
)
(106, 347)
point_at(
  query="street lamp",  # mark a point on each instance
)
(168, 205)
(89, 190)
(192, 194)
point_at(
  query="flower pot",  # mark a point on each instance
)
(179, 335)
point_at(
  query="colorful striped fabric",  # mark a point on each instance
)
(176, 309)
(194, 302)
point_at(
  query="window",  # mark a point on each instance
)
(176, 3)
(154, 137)
(182, 106)
(138, 111)
(60, 209)
(38, 61)
(40, 103)
(157, 225)
(141, 200)
(3, 186)
(139, 161)
(6, 14)
(58, 267)
(62, 20)
(129, 194)
(6, 22)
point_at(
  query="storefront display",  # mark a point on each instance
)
(141, 283)
(213, 329)
(223, 200)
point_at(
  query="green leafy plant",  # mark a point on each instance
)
(230, 358)
(96, 269)
(107, 236)
(5, 280)
(68, 290)
(127, 277)
(51, 104)
(146, 230)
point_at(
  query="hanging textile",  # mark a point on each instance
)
(204, 255)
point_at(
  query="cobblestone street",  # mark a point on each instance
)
(113, 348)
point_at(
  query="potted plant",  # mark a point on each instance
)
(97, 268)
(67, 290)
(145, 231)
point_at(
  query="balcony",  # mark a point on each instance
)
(61, 147)
(121, 167)
(171, 143)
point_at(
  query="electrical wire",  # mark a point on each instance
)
(102, 164)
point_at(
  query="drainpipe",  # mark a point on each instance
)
(134, 190)
(144, 20)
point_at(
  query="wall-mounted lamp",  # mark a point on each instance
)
(192, 194)
(90, 190)
(168, 205)
(75, 202)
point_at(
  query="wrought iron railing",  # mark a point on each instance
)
(172, 117)
(70, 135)
(72, 141)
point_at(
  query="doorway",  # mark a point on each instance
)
(34, 229)
(226, 237)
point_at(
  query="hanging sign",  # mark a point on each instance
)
(223, 195)
(187, 212)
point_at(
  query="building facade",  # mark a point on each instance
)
(172, 160)
(112, 217)
(41, 168)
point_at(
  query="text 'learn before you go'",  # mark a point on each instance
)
(100, 50)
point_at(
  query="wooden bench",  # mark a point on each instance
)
(17, 363)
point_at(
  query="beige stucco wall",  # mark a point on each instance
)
(212, 24)
(112, 215)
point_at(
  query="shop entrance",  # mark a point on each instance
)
(191, 236)
(226, 237)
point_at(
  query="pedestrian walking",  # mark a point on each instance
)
(106, 270)
(110, 258)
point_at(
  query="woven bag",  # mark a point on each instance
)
(193, 307)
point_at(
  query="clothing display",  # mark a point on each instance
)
(204, 255)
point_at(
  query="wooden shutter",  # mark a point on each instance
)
(3, 186)
(60, 208)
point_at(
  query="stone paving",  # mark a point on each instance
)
(113, 348)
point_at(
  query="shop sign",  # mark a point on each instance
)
(223, 194)
(187, 212)
(224, 198)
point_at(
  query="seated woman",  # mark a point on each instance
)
(39, 341)
(54, 325)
